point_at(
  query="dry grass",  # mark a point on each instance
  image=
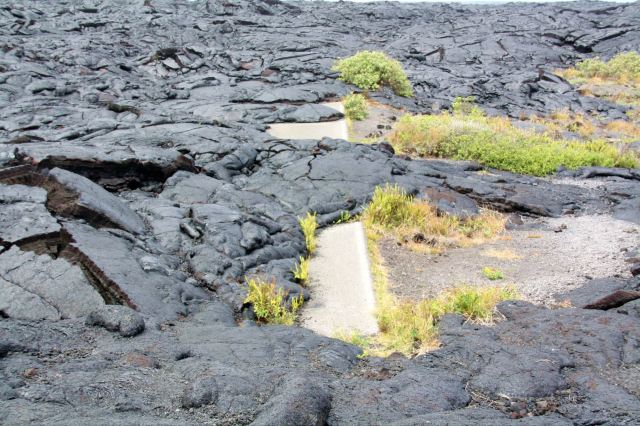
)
(393, 211)
(506, 254)
(590, 128)
(618, 81)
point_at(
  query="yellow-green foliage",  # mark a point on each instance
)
(355, 106)
(301, 271)
(497, 143)
(622, 67)
(370, 70)
(392, 209)
(492, 274)
(270, 304)
(309, 224)
(345, 217)
(466, 106)
(413, 327)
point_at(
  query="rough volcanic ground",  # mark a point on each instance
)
(139, 188)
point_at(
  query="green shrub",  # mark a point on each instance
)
(301, 271)
(370, 70)
(269, 303)
(496, 143)
(355, 106)
(466, 106)
(309, 224)
(492, 274)
(621, 66)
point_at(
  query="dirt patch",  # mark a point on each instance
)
(377, 126)
(541, 258)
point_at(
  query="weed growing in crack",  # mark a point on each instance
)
(309, 225)
(270, 303)
(345, 217)
(301, 271)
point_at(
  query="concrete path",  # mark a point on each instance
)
(341, 288)
(330, 129)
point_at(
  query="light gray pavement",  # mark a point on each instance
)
(330, 129)
(340, 282)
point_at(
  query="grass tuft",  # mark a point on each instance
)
(270, 303)
(309, 225)
(391, 209)
(369, 70)
(492, 273)
(355, 106)
(301, 271)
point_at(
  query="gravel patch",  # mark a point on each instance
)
(544, 257)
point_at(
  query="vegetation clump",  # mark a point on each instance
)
(467, 134)
(309, 224)
(301, 271)
(623, 67)
(392, 209)
(492, 273)
(369, 70)
(270, 303)
(413, 327)
(355, 106)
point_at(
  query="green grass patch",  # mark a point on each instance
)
(355, 106)
(369, 70)
(497, 143)
(301, 271)
(270, 303)
(492, 274)
(309, 225)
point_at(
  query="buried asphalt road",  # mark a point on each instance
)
(340, 283)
